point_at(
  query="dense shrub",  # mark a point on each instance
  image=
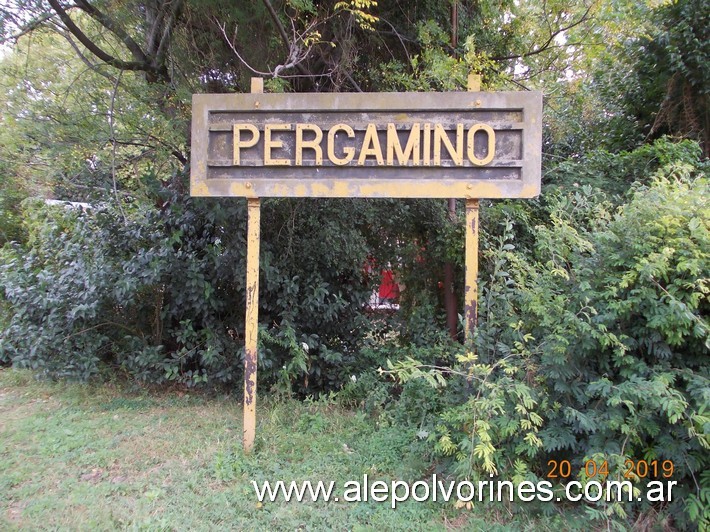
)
(94, 290)
(594, 346)
(158, 291)
(615, 172)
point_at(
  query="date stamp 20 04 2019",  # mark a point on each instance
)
(597, 473)
(633, 469)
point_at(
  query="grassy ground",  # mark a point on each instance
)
(101, 458)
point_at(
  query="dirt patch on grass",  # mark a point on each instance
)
(14, 511)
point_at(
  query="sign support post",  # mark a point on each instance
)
(471, 249)
(471, 295)
(251, 321)
(251, 318)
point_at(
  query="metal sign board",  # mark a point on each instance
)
(367, 145)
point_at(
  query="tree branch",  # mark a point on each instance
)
(118, 31)
(283, 34)
(277, 23)
(167, 32)
(156, 23)
(83, 58)
(179, 156)
(399, 36)
(28, 28)
(232, 46)
(112, 126)
(93, 48)
(294, 60)
(585, 17)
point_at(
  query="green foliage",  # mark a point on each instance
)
(698, 504)
(613, 173)
(77, 133)
(682, 48)
(151, 291)
(499, 418)
(650, 79)
(596, 344)
(359, 10)
(624, 323)
(593, 303)
(432, 69)
(11, 195)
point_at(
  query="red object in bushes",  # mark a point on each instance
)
(389, 289)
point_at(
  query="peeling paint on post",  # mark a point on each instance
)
(251, 321)
(251, 317)
(471, 250)
(471, 296)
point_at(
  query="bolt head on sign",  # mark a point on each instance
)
(367, 145)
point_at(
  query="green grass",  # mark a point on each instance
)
(77, 457)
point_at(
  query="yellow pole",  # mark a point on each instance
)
(257, 85)
(251, 320)
(251, 325)
(471, 295)
(474, 83)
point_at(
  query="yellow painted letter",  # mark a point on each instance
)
(239, 144)
(348, 150)
(313, 144)
(426, 148)
(441, 137)
(491, 144)
(411, 149)
(271, 144)
(370, 146)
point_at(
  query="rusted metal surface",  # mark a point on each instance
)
(251, 321)
(471, 295)
(390, 145)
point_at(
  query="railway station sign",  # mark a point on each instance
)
(467, 145)
(367, 145)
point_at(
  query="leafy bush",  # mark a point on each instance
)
(614, 173)
(156, 290)
(10, 197)
(593, 347)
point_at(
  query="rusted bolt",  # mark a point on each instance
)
(248, 185)
(478, 103)
(256, 104)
